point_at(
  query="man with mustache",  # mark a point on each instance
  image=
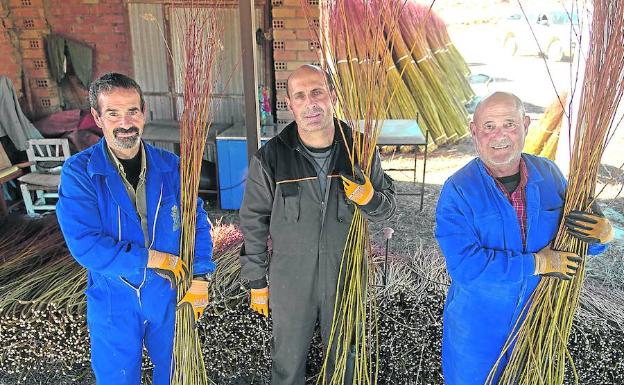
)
(295, 195)
(119, 210)
(495, 221)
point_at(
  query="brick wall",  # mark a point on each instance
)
(10, 65)
(24, 24)
(102, 24)
(293, 46)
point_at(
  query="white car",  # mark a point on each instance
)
(555, 31)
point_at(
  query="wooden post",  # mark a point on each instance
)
(246, 10)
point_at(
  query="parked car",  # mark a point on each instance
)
(555, 32)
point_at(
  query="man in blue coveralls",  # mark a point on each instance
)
(119, 210)
(495, 221)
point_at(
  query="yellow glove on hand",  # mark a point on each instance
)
(588, 227)
(359, 189)
(168, 266)
(553, 263)
(260, 301)
(197, 297)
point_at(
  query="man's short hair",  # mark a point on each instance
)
(328, 78)
(108, 82)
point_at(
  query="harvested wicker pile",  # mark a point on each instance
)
(44, 337)
(542, 140)
(428, 75)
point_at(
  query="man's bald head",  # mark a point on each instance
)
(499, 97)
(307, 69)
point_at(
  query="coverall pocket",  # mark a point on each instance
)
(168, 218)
(292, 201)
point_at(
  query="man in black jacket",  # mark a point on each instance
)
(295, 195)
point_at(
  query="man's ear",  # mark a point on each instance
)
(527, 122)
(473, 128)
(287, 99)
(96, 117)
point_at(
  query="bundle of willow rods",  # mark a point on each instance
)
(426, 73)
(418, 85)
(543, 139)
(51, 345)
(448, 57)
(355, 56)
(540, 352)
(440, 33)
(201, 33)
(453, 114)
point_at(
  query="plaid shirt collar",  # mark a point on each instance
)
(517, 198)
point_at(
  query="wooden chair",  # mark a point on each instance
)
(8, 172)
(46, 157)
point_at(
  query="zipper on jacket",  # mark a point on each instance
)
(156, 217)
(137, 290)
(118, 223)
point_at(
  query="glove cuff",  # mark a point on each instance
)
(257, 284)
(198, 287)
(538, 264)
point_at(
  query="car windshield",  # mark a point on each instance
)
(560, 18)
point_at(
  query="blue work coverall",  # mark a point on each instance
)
(492, 273)
(128, 305)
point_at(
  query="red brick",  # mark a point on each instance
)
(308, 12)
(304, 34)
(18, 3)
(281, 34)
(294, 3)
(25, 44)
(112, 19)
(41, 92)
(295, 24)
(30, 12)
(112, 38)
(103, 28)
(38, 24)
(282, 75)
(284, 55)
(287, 13)
(297, 45)
(33, 54)
(308, 56)
(30, 34)
(80, 29)
(293, 65)
(82, 9)
(37, 73)
(285, 115)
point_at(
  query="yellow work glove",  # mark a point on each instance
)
(588, 227)
(358, 188)
(197, 297)
(168, 266)
(260, 301)
(553, 263)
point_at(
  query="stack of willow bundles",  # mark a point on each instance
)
(47, 342)
(416, 23)
(428, 75)
(542, 140)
